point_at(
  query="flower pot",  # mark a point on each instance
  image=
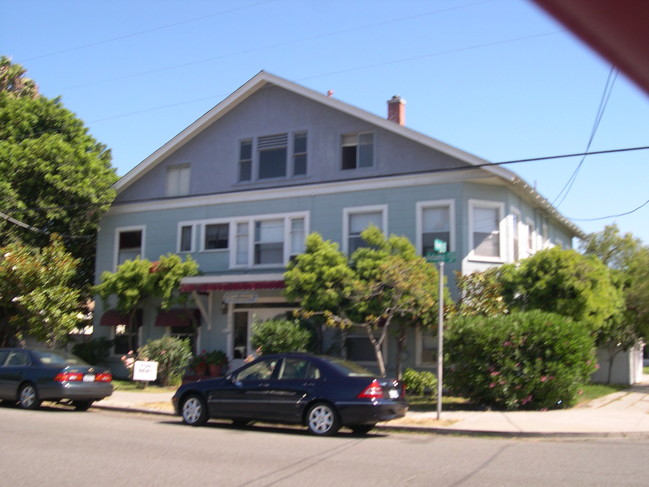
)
(200, 369)
(215, 370)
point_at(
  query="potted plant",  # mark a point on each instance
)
(216, 360)
(199, 364)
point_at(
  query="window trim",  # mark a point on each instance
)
(514, 241)
(118, 231)
(250, 222)
(424, 205)
(357, 135)
(500, 207)
(203, 234)
(355, 210)
(255, 157)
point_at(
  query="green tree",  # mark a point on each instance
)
(54, 176)
(564, 282)
(13, 80)
(280, 336)
(36, 297)
(140, 282)
(382, 284)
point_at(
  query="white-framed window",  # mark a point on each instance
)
(527, 238)
(485, 221)
(129, 244)
(435, 220)
(516, 235)
(216, 236)
(268, 240)
(178, 180)
(185, 238)
(357, 219)
(357, 151)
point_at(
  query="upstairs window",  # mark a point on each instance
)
(245, 160)
(186, 238)
(357, 220)
(272, 156)
(435, 224)
(268, 241)
(299, 154)
(178, 180)
(216, 236)
(357, 151)
(485, 229)
(129, 245)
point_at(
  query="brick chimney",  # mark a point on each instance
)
(397, 110)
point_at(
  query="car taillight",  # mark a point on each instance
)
(373, 391)
(68, 377)
(104, 377)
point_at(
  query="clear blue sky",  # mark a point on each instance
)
(496, 78)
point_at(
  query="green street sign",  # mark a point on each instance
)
(446, 257)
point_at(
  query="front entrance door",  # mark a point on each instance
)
(244, 319)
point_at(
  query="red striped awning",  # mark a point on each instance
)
(178, 317)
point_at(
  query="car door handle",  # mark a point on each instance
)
(308, 384)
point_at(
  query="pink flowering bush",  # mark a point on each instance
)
(172, 354)
(522, 360)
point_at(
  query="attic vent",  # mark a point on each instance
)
(272, 141)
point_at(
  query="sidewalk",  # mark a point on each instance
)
(624, 413)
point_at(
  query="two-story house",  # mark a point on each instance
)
(241, 188)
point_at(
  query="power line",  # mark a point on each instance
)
(612, 216)
(603, 102)
(139, 33)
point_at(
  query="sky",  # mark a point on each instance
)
(499, 79)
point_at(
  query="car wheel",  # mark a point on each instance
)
(194, 410)
(322, 420)
(82, 405)
(28, 396)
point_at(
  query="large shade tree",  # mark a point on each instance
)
(54, 176)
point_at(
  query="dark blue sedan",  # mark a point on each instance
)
(323, 393)
(29, 377)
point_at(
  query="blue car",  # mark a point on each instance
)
(29, 377)
(322, 393)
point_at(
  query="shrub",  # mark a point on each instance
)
(524, 360)
(172, 354)
(94, 351)
(419, 382)
(280, 335)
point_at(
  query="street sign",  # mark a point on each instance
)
(446, 257)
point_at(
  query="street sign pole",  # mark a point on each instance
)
(440, 340)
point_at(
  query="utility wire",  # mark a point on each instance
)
(612, 216)
(603, 102)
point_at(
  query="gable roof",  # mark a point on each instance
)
(264, 79)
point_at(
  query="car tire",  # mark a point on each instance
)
(82, 405)
(322, 419)
(194, 410)
(28, 396)
(362, 429)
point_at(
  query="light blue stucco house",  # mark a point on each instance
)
(241, 188)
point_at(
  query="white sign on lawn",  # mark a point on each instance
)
(147, 371)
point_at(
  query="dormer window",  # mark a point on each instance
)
(357, 151)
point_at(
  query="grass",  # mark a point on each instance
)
(425, 403)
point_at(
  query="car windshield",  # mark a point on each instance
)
(350, 369)
(57, 357)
